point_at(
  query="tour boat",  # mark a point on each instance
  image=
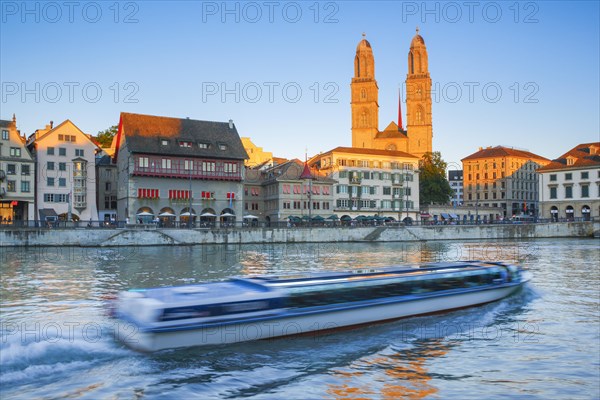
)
(268, 306)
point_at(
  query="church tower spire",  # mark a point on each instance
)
(364, 94)
(418, 99)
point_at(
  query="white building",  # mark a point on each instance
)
(65, 173)
(569, 186)
(17, 181)
(372, 182)
(455, 177)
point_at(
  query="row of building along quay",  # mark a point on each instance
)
(172, 172)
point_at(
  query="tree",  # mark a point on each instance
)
(106, 136)
(433, 185)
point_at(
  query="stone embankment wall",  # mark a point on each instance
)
(157, 237)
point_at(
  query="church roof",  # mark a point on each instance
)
(391, 132)
(417, 40)
(363, 44)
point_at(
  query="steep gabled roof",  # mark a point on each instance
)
(391, 132)
(57, 127)
(501, 151)
(583, 155)
(147, 133)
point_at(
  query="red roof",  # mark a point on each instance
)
(583, 155)
(306, 174)
(501, 151)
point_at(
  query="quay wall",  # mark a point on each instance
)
(156, 237)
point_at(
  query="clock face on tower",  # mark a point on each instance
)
(391, 147)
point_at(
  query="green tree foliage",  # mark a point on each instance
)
(433, 185)
(106, 136)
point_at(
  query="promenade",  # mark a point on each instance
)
(152, 235)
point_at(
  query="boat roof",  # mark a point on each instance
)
(314, 278)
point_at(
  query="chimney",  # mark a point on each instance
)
(51, 124)
(480, 148)
(230, 124)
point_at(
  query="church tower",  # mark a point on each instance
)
(418, 99)
(364, 94)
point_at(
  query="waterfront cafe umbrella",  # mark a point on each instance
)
(187, 214)
(318, 218)
(250, 216)
(379, 218)
(333, 217)
(207, 214)
(144, 214)
(346, 218)
(227, 215)
(166, 214)
(305, 217)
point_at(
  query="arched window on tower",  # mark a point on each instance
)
(411, 63)
(363, 119)
(419, 115)
(363, 94)
(419, 64)
(364, 65)
(357, 66)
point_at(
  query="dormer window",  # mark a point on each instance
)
(185, 143)
(164, 142)
(570, 160)
(222, 146)
(204, 145)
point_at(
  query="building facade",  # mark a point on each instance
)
(257, 157)
(569, 186)
(455, 178)
(503, 177)
(417, 138)
(372, 182)
(17, 176)
(106, 188)
(291, 189)
(65, 173)
(173, 170)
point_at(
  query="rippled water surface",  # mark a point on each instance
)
(541, 343)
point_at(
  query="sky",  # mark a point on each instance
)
(519, 74)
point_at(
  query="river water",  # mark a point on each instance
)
(541, 343)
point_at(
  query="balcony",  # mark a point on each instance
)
(355, 180)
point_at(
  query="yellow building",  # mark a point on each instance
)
(503, 177)
(417, 138)
(257, 156)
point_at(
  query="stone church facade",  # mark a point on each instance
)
(417, 138)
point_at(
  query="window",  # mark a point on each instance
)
(188, 165)
(11, 169)
(185, 143)
(50, 181)
(107, 187)
(204, 145)
(222, 146)
(163, 142)
(15, 152)
(585, 175)
(25, 186)
(585, 191)
(166, 163)
(78, 152)
(62, 151)
(208, 166)
(568, 176)
(62, 182)
(568, 192)
(50, 151)
(143, 162)
(62, 166)
(11, 186)
(50, 166)
(4, 134)
(387, 190)
(25, 169)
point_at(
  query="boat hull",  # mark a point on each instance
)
(292, 322)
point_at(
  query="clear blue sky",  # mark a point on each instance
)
(171, 57)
